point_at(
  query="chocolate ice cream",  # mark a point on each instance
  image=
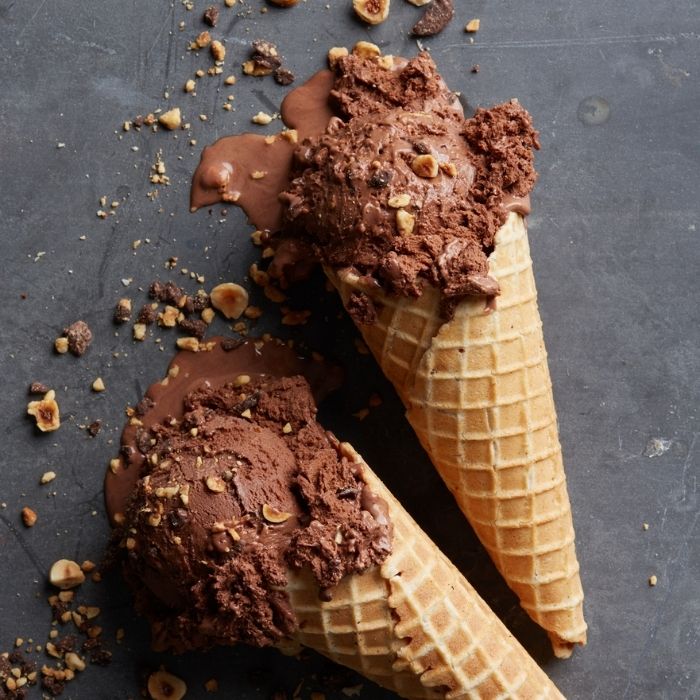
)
(236, 487)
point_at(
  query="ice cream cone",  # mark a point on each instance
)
(478, 394)
(414, 624)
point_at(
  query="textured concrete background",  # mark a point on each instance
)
(614, 90)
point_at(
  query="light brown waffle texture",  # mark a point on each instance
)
(478, 394)
(415, 625)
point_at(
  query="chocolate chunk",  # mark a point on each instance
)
(193, 327)
(265, 54)
(38, 388)
(229, 344)
(79, 337)
(169, 293)
(200, 301)
(361, 309)
(143, 406)
(211, 15)
(283, 76)
(476, 68)
(94, 428)
(435, 19)
(147, 315)
(380, 179)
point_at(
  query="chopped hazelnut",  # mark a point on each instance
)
(366, 49)
(218, 50)
(405, 222)
(74, 662)
(202, 41)
(66, 574)
(189, 86)
(208, 315)
(45, 412)
(473, 25)
(29, 517)
(164, 686)
(291, 135)
(261, 118)
(450, 169)
(230, 299)
(61, 345)
(212, 685)
(274, 294)
(47, 477)
(98, 385)
(425, 166)
(139, 331)
(215, 484)
(399, 201)
(241, 380)
(168, 317)
(273, 515)
(172, 119)
(335, 54)
(191, 344)
(253, 312)
(230, 80)
(371, 11)
(653, 580)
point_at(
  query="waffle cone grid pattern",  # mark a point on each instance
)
(415, 625)
(478, 394)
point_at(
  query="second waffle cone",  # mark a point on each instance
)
(478, 394)
(414, 624)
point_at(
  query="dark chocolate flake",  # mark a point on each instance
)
(436, 18)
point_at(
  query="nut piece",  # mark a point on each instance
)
(653, 580)
(419, 3)
(66, 574)
(399, 200)
(366, 49)
(61, 345)
(191, 344)
(425, 166)
(164, 686)
(189, 86)
(74, 662)
(272, 515)
(168, 317)
(45, 412)
(371, 11)
(47, 477)
(139, 331)
(218, 50)
(28, 517)
(335, 54)
(98, 385)
(229, 298)
(261, 118)
(215, 484)
(405, 222)
(172, 119)
(122, 311)
(473, 26)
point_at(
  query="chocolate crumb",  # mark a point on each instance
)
(380, 179)
(476, 68)
(230, 344)
(167, 292)
(122, 311)
(94, 428)
(436, 18)
(283, 76)
(361, 309)
(79, 337)
(38, 388)
(193, 327)
(211, 15)
(147, 315)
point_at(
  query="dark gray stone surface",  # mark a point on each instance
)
(614, 90)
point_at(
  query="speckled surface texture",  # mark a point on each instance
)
(614, 89)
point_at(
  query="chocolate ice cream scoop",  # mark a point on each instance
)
(239, 488)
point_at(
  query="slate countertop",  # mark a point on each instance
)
(613, 88)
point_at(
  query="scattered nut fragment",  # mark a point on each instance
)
(212, 685)
(335, 54)
(473, 25)
(366, 49)
(419, 3)
(450, 169)
(261, 118)
(189, 86)
(399, 200)
(47, 477)
(215, 484)
(202, 41)
(287, 428)
(208, 315)
(405, 222)
(172, 119)
(273, 515)
(241, 380)
(139, 331)
(168, 317)
(218, 50)
(653, 580)
(191, 344)
(229, 3)
(79, 337)
(74, 662)
(29, 517)
(295, 318)
(98, 385)
(66, 574)
(122, 311)
(61, 345)
(258, 174)
(164, 686)
(45, 412)
(229, 298)
(291, 135)
(371, 11)
(425, 166)
(211, 15)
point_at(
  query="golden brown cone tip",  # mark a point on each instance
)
(414, 624)
(478, 394)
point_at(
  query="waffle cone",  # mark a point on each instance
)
(414, 624)
(478, 394)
